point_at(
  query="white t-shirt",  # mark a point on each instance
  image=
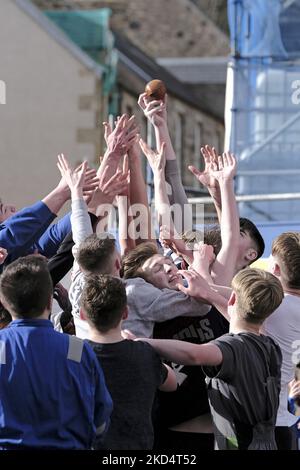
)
(284, 327)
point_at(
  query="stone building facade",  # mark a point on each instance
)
(190, 32)
(53, 104)
(168, 29)
(176, 28)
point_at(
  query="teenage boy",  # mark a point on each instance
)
(284, 326)
(133, 370)
(53, 393)
(242, 367)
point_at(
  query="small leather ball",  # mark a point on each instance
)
(156, 89)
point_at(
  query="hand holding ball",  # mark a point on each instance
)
(155, 90)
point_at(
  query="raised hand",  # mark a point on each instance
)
(166, 236)
(294, 391)
(123, 136)
(203, 257)
(198, 287)
(156, 160)
(73, 178)
(206, 177)
(225, 169)
(110, 187)
(155, 111)
(203, 253)
(127, 334)
(61, 295)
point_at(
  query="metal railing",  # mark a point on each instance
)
(250, 198)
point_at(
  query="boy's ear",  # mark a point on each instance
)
(82, 315)
(251, 254)
(232, 299)
(125, 313)
(276, 270)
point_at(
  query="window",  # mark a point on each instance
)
(198, 143)
(179, 140)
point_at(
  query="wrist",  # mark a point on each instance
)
(63, 193)
(160, 125)
(112, 155)
(76, 193)
(226, 181)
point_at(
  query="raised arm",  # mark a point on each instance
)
(224, 267)
(126, 234)
(203, 257)
(22, 230)
(138, 195)
(156, 113)
(168, 239)
(118, 142)
(157, 163)
(80, 219)
(207, 179)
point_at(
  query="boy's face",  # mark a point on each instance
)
(160, 271)
(6, 211)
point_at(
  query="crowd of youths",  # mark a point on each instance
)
(165, 340)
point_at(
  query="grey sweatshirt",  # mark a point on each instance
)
(147, 304)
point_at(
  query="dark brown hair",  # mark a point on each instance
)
(250, 228)
(26, 287)
(95, 252)
(103, 300)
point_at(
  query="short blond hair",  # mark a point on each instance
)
(258, 294)
(286, 250)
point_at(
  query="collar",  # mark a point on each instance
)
(31, 322)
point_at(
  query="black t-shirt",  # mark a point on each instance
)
(133, 372)
(190, 399)
(244, 390)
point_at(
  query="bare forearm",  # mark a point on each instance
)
(161, 199)
(203, 270)
(162, 135)
(138, 192)
(182, 352)
(127, 243)
(215, 194)
(179, 352)
(221, 304)
(56, 199)
(224, 291)
(217, 300)
(230, 217)
(110, 160)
